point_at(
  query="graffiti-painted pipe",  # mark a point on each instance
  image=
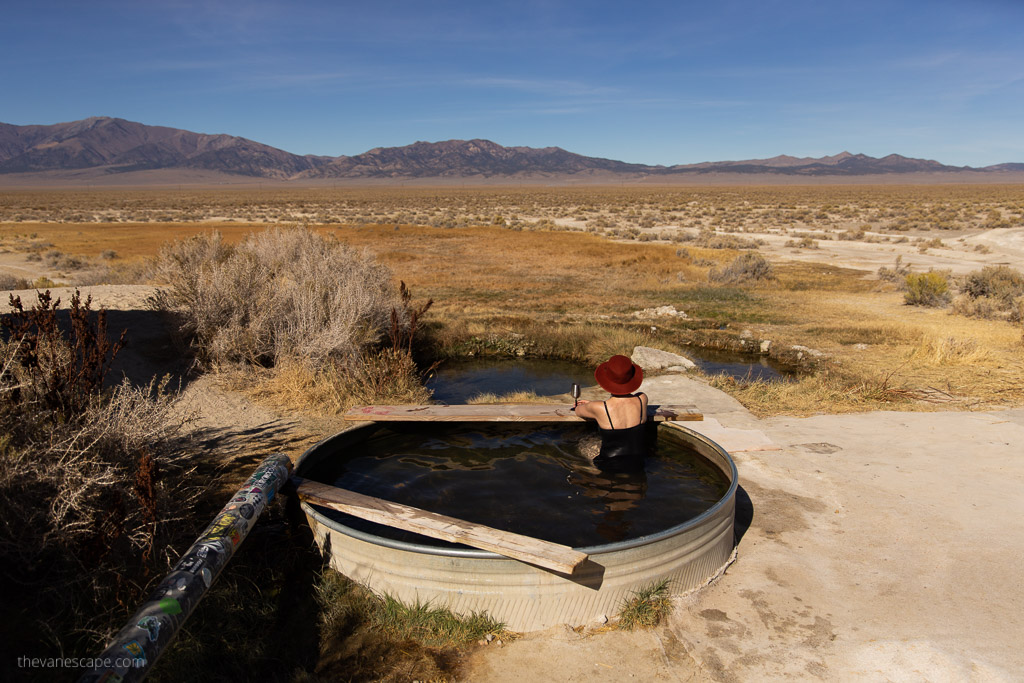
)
(136, 647)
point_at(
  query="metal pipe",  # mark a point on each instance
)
(136, 647)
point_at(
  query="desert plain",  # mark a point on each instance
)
(879, 525)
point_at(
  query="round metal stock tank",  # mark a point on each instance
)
(526, 597)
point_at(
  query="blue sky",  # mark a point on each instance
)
(645, 82)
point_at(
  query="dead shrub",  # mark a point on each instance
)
(325, 319)
(995, 292)
(805, 242)
(981, 307)
(61, 375)
(52, 257)
(898, 273)
(1001, 282)
(92, 482)
(8, 281)
(280, 293)
(748, 267)
(60, 261)
(709, 239)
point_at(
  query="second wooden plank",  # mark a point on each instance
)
(508, 412)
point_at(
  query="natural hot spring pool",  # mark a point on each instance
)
(457, 381)
(530, 479)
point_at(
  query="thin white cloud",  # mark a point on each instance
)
(543, 86)
(155, 65)
(224, 21)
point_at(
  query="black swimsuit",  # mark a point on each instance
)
(623, 450)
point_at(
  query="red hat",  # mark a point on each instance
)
(619, 375)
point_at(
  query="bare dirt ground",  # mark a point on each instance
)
(879, 546)
(1006, 248)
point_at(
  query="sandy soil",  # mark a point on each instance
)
(1006, 244)
(880, 546)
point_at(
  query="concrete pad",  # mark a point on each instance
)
(731, 439)
(882, 546)
(710, 401)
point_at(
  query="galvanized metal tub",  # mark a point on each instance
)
(525, 597)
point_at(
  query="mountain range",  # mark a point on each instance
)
(104, 145)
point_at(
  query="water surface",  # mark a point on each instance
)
(741, 366)
(457, 381)
(530, 479)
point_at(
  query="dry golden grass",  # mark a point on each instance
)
(572, 294)
(510, 397)
(877, 339)
(823, 392)
(952, 351)
(331, 390)
(128, 240)
(488, 269)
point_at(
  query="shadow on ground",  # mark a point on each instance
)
(150, 349)
(744, 513)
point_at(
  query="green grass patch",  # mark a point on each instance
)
(430, 625)
(726, 304)
(799, 277)
(647, 607)
(279, 614)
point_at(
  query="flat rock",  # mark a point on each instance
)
(660, 311)
(656, 359)
(801, 351)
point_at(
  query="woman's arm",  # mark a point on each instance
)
(586, 409)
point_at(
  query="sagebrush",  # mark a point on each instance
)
(93, 481)
(747, 267)
(278, 294)
(325, 318)
(992, 292)
(926, 289)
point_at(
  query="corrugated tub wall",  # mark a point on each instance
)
(525, 597)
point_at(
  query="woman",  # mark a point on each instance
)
(622, 419)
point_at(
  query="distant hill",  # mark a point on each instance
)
(468, 158)
(119, 146)
(840, 164)
(101, 146)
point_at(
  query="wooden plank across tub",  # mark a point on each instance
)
(554, 556)
(509, 412)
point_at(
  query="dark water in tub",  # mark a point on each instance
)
(526, 478)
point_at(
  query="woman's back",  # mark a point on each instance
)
(624, 441)
(622, 412)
